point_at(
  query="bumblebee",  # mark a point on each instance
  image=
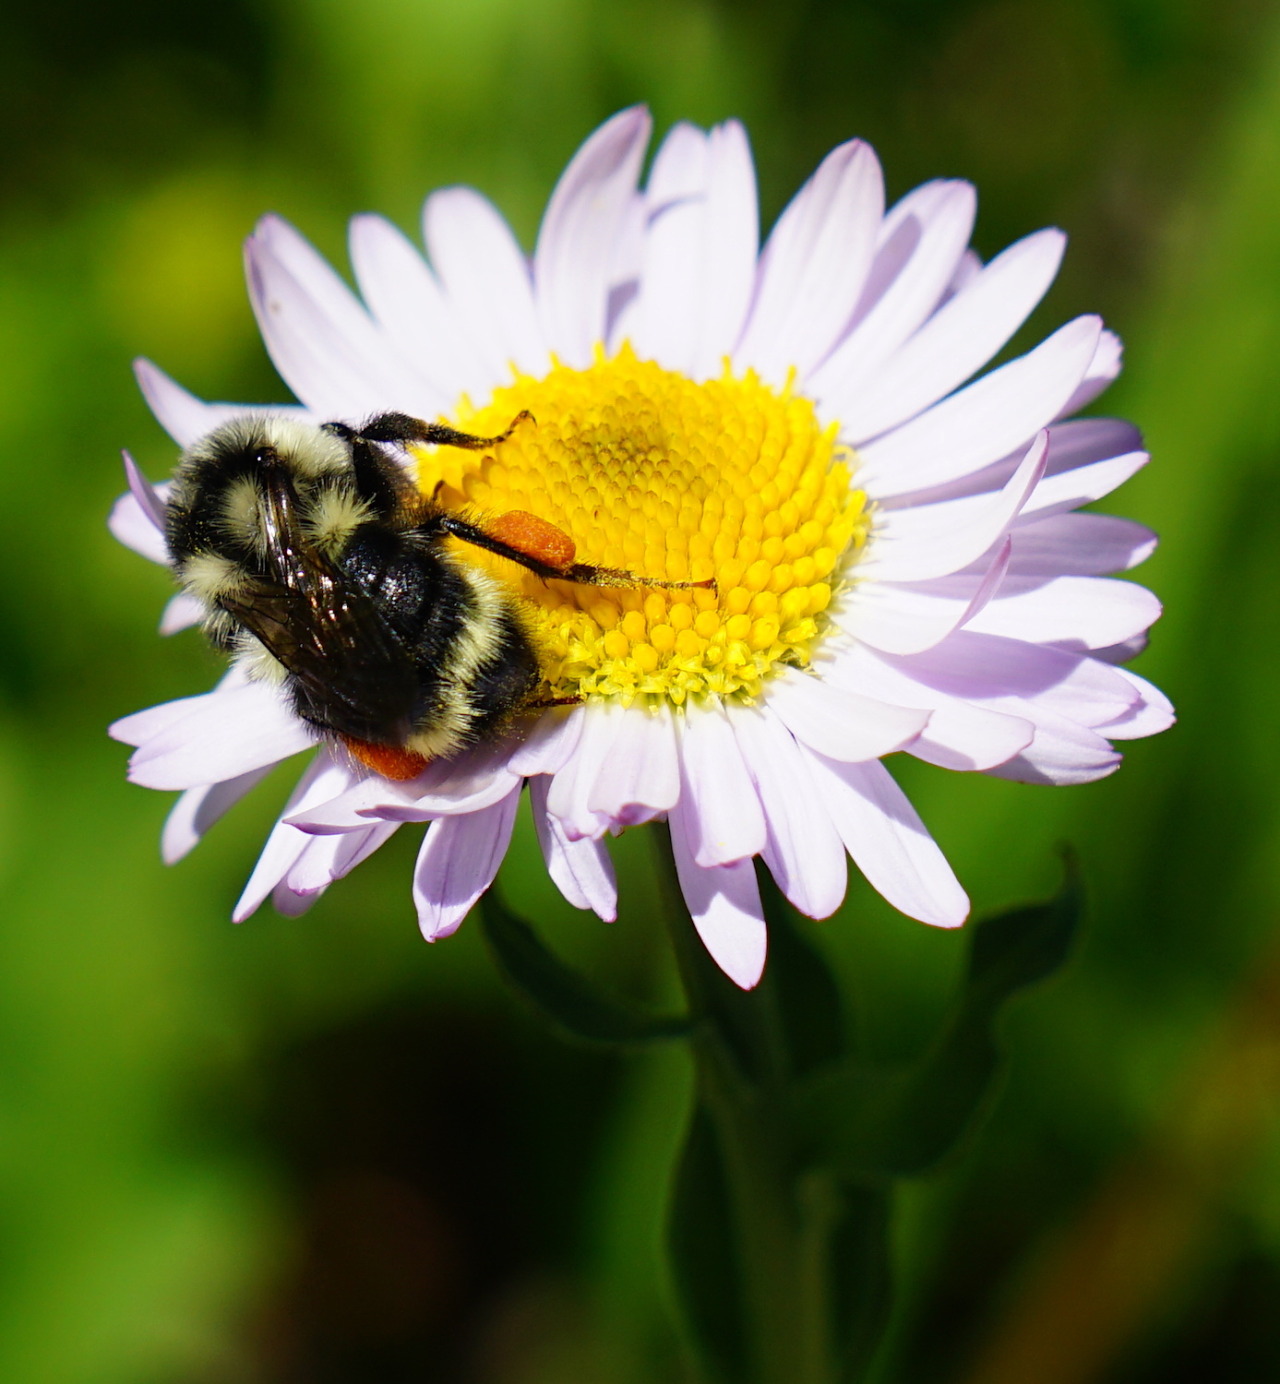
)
(322, 567)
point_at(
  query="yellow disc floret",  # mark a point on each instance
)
(649, 471)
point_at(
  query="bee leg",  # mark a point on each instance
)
(401, 428)
(549, 552)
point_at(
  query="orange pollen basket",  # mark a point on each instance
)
(390, 761)
(534, 537)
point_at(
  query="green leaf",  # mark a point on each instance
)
(704, 1255)
(879, 1122)
(560, 993)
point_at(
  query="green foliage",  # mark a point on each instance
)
(824, 1132)
(561, 995)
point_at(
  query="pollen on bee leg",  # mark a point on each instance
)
(388, 760)
(534, 537)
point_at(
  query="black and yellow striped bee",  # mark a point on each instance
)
(322, 567)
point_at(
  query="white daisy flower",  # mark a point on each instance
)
(899, 560)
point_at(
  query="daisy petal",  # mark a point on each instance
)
(402, 293)
(486, 280)
(700, 251)
(910, 619)
(815, 264)
(958, 339)
(888, 841)
(199, 808)
(724, 903)
(1072, 612)
(1079, 545)
(983, 421)
(1103, 368)
(580, 230)
(936, 540)
(181, 613)
(959, 735)
(1149, 715)
(582, 870)
(219, 736)
(1061, 753)
(458, 862)
(801, 849)
(327, 858)
(549, 744)
(921, 243)
(841, 724)
(184, 417)
(329, 351)
(323, 779)
(643, 778)
(1017, 677)
(571, 788)
(722, 811)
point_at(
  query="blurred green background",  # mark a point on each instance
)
(318, 1152)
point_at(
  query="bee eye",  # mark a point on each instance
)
(264, 456)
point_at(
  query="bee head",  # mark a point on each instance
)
(230, 484)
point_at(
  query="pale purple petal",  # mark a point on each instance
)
(722, 815)
(1103, 369)
(145, 725)
(549, 743)
(888, 841)
(1069, 490)
(1016, 677)
(982, 422)
(921, 243)
(724, 903)
(465, 783)
(572, 786)
(486, 281)
(402, 293)
(838, 723)
(1074, 612)
(323, 779)
(1062, 753)
(700, 253)
(130, 525)
(1149, 715)
(574, 258)
(199, 808)
(802, 849)
(137, 518)
(331, 353)
(957, 340)
(643, 773)
(1072, 446)
(814, 266)
(180, 613)
(582, 870)
(960, 735)
(184, 417)
(1079, 544)
(221, 735)
(910, 619)
(327, 858)
(936, 540)
(458, 862)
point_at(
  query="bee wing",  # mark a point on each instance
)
(350, 673)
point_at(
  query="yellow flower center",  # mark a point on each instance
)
(649, 471)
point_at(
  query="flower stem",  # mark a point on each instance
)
(778, 1221)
